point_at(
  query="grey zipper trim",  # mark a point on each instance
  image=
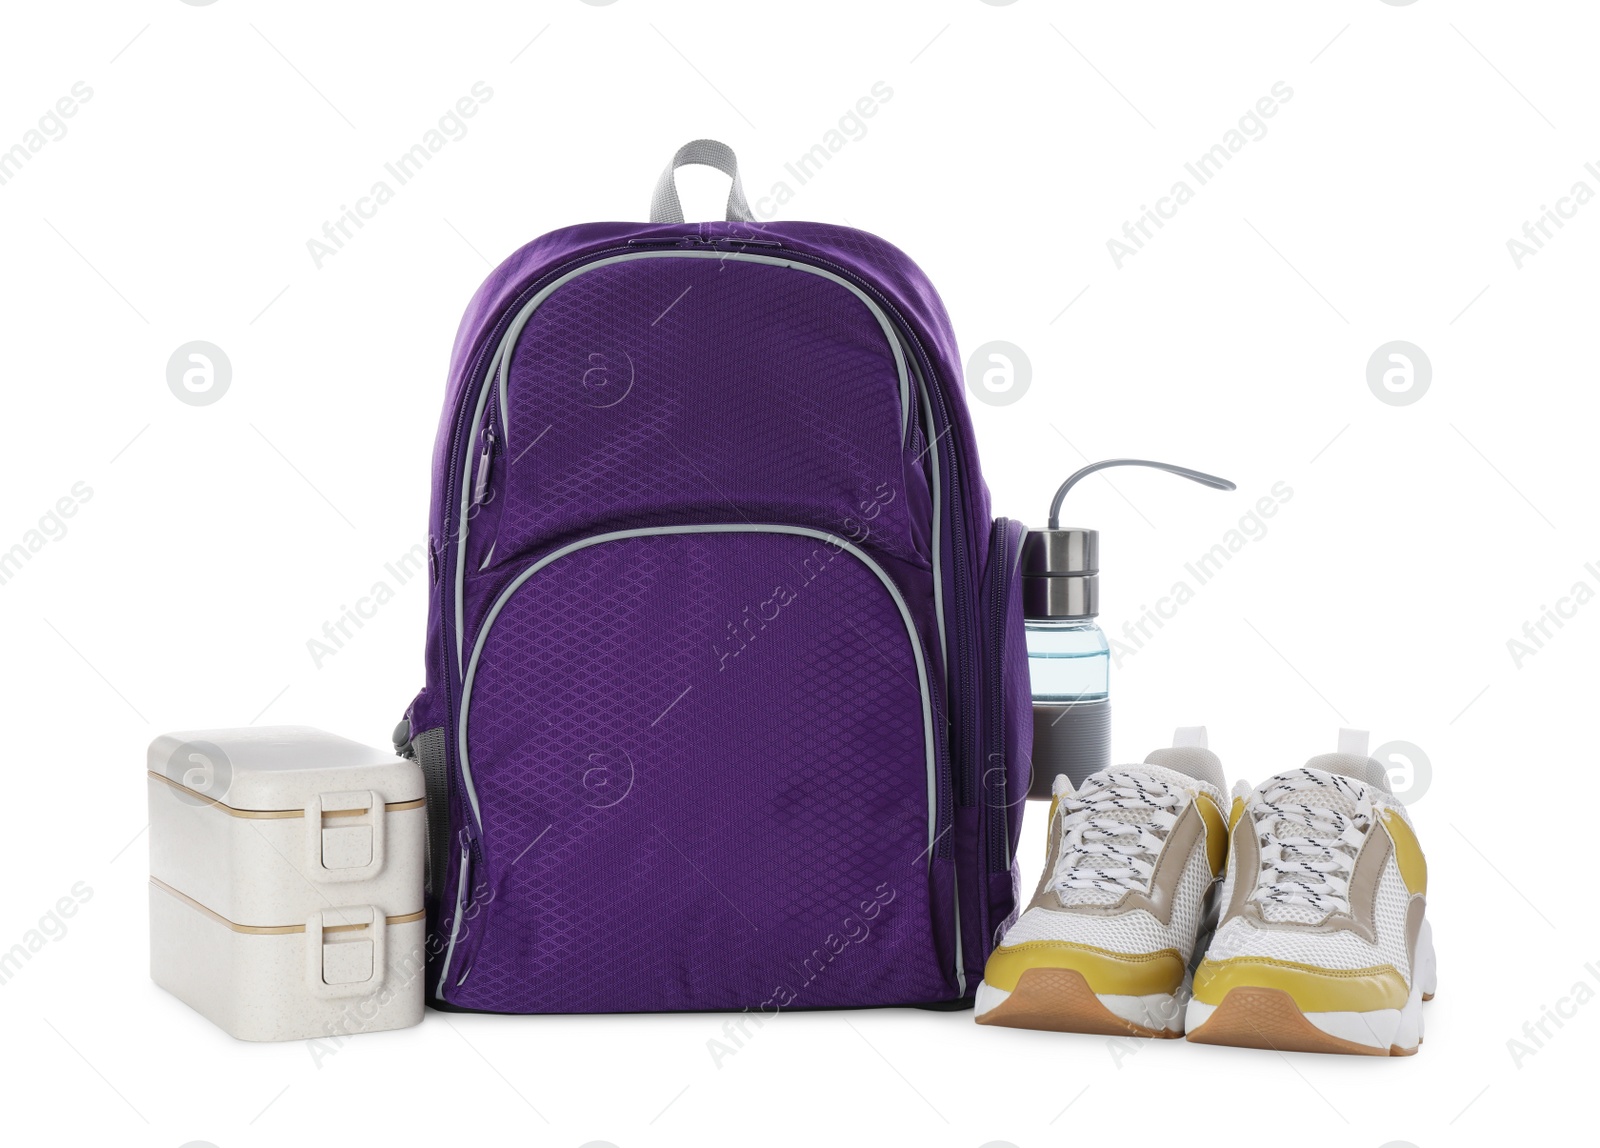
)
(938, 578)
(455, 923)
(731, 528)
(463, 526)
(944, 653)
(500, 366)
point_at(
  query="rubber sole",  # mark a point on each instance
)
(1269, 1018)
(1259, 1017)
(1060, 1000)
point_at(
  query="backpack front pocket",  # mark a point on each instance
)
(704, 768)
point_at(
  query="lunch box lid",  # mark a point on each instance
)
(271, 768)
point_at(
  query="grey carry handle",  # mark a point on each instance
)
(1199, 476)
(664, 205)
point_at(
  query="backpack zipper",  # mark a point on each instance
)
(702, 241)
(480, 489)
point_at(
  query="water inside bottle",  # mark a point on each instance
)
(1068, 662)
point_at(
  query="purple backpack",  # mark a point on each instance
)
(727, 701)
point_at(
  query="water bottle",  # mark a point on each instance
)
(1069, 660)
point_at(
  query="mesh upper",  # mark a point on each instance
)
(1133, 932)
(1343, 949)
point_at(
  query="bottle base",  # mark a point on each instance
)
(1073, 738)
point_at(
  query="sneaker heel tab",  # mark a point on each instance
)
(1353, 742)
(1190, 737)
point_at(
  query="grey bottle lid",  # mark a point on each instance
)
(1061, 565)
(1061, 573)
(1058, 551)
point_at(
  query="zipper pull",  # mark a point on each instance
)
(480, 490)
(690, 240)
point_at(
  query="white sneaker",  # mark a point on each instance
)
(1105, 946)
(1323, 945)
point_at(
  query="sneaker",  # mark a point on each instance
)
(1105, 945)
(1323, 945)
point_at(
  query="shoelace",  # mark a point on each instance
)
(1101, 852)
(1312, 866)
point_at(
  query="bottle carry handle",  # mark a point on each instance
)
(1199, 476)
(664, 204)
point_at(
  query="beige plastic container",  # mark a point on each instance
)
(286, 881)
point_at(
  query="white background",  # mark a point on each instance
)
(1018, 140)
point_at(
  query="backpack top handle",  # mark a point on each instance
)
(664, 204)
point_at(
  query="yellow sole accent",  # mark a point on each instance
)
(1060, 1000)
(1117, 974)
(1311, 988)
(1269, 1018)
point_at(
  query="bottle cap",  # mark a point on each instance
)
(1061, 566)
(1061, 573)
